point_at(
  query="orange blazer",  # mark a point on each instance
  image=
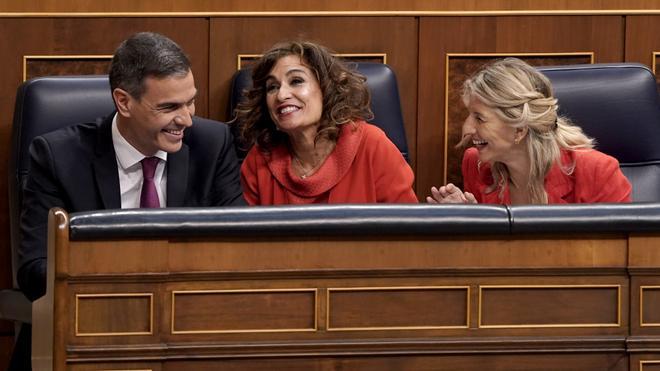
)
(364, 167)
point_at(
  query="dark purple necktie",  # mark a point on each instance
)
(149, 195)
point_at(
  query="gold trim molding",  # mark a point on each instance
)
(550, 325)
(376, 13)
(641, 307)
(383, 56)
(448, 56)
(117, 295)
(643, 362)
(59, 57)
(394, 288)
(253, 331)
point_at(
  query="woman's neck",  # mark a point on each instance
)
(519, 171)
(308, 153)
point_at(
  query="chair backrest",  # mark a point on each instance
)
(44, 104)
(618, 105)
(385, 102)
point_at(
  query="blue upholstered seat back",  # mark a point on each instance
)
(385, 102)
(618, 105)
(45, 104)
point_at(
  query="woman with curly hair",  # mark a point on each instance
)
(304, 118)
(523, 151)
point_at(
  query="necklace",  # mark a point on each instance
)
(305, 172)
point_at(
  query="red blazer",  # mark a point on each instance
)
(596, 178)
(364, 167)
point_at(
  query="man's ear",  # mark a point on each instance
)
(123, 101)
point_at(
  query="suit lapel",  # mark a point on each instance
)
(177, 176)
(105, 167)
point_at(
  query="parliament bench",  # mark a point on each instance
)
(359, 287)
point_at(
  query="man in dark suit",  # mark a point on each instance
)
(151, 153)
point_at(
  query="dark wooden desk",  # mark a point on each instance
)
(349, 302)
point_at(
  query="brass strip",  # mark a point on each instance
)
(396, 288)
(62, 57)
(383, 56)
(641, 307)
(560, 325)
(373, 13)
(240, 57)
(643, 362)
(197, 292)
(490, 55)
(114, 295)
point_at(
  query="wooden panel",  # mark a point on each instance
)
(472, 362)
(114, 314)
(317, 5)
(245, 60)
(644, 251)
(656, 70)
(395, 37)
(197, 312)
(35, 66)
(6, 348)
(398, 308)
(117, 366)
(93, 258)
(643, 43)
(549, 306)
(526, 34)
(649, 365)
(644, 306)
(650, 306)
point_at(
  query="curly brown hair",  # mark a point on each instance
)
(346, 97)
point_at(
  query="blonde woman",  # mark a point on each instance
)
(522, 151)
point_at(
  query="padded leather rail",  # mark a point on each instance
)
(366, 220)
(380, 219)
(586, 218)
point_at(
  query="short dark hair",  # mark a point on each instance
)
(145, 54)
(346, 97)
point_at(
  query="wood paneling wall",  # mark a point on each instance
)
(318, 5)
(416, 45)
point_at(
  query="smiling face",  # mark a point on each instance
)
(494, 138)
(158, 119)
(293, 96)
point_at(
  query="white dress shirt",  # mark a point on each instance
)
(130, 171)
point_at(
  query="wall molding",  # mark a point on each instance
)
(378, 13)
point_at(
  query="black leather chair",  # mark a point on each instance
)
(42, 105)
(385, 102)
(618, 105)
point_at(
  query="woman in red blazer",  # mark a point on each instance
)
(305, 120)
(523, 152)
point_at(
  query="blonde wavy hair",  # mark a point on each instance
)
(522, 96)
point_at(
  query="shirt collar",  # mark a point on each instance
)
(127, 155)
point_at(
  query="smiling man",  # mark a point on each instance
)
(104, 165)
(151, 152)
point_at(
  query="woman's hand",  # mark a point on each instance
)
(450, 194)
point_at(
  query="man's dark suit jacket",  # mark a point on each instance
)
(75, 168)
